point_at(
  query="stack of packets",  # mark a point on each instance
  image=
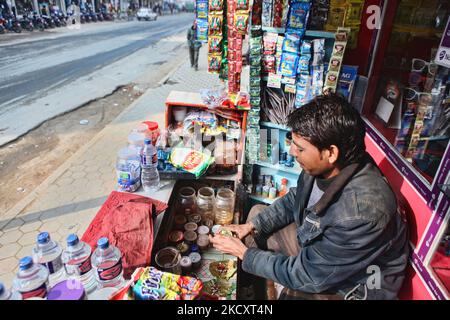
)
(319, 14)
(310, 71)
(274, 13)
(202, 20)
(252, 145)
(238, 12)
(152, 284)
(295, 30)
(334, 67)
(215, 38)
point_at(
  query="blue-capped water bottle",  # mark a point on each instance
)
(6, 294)
(31, 280)
(48, 253)
(107, 263)
(77, 262)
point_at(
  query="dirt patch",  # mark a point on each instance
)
(27, 162)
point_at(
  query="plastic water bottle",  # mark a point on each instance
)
(149, 167)
(31, 280)
(107, 263)
(6, 294)
(48, 253)
(128, 170)
(77, 262)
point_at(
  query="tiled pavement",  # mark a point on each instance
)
(69, 199)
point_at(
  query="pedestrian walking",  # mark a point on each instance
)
(194, 46)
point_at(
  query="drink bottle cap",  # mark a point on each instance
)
(25, 263)
(151, 125)
(72, 240)
(103, 243)
(194, 248)
(43, 237)
(147, 141)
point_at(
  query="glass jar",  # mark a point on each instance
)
(205, 203)
(168, 259)
(186, 201)
(224, 207)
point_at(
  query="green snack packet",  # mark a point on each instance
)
(190, 160)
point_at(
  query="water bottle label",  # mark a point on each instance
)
(124, 178)
(149, 160)
(40, 292)
(106, 274)
(80, 268)
(53, 266)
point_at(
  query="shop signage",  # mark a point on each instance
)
(443, 53)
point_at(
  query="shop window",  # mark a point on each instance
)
(411, 108)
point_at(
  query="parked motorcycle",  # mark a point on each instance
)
(38, 22)
(50, 23)
(26, 23)
(12, 24)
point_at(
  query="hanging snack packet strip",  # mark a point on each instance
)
(216, 5)
(334, 67)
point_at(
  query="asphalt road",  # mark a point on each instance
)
(34, 69)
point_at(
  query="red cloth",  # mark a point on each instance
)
(126, 220)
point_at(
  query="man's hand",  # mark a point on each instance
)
(229, 245)
(241, 230)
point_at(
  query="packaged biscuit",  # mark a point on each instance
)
(190, 160)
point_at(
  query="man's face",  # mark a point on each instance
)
(310, 158)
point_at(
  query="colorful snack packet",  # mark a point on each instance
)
(269, 64)
(202, 30)
(241, 22)
(319, 51)
(152, 285)
(298, 15)
(291, 42)
(242, 4)
(202, 9)
(216, 5)
(215, 44)
(215, 24)
(288, 65)
(266, 18)
(214, 62)
(190, 160)
(270, 42)
(303, 64)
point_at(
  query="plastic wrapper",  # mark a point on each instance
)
(215, 5)
(242, 4)
(214, 62)
(255, 71)
(241, 22)
(298, 15)
(278, 13)
(256, 62)
(256, 12)
(268, 64)
(270, 42)
(266, 18)
(306, 47)
(202, 30)
(303, 64)
(291, 43)
(190, 160)
(317, 80)
(202, 9)
(288, 65)
(215, 44)
(215, 24)
(154, 284)
(319, 51)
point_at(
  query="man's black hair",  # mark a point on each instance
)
(331, 120)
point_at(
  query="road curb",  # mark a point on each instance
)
(17, 209)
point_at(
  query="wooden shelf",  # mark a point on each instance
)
(295, 170)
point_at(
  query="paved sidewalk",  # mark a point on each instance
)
(69, 199)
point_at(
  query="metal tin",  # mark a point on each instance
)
(175, 236)
(203, 230)
(190, 237)
(190, 226)
(203, 242)
(196, 218)
(186, 264)
(184, 248)
(196, 259)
